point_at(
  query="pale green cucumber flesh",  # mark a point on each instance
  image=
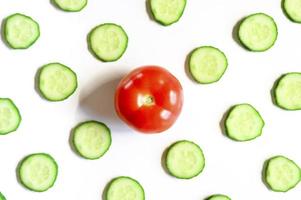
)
(167, 12)
(38, 172)
(92, 139)
(218, 197)
(57, 82)
(10, 117)
(282, 174)
(207, 64)
(258, 32)
(287, 92)
(124, 188)
(71, 5)
(185, 160)
(108, 42)
(21, 31)
(292, 8)
(243, 123)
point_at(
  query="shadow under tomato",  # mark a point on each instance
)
(99, 104)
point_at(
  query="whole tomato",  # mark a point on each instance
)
(149, 99)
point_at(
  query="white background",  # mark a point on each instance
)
(232, 168)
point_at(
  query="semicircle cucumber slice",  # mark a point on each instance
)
(10, 117)
(167, 12)
(92, 139)
(287, 92)
(38, 172)
(2, 197)
(258, 32)
(185, 160)
(292, 9)
(207, 64)
(56, 81)
(281, 174)
(243, 123)
(124, 188)
(71, 5)
(218, 197)
(21, 31)
(108, 42)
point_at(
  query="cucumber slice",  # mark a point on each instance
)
(258, 32)
(282, 174)
(167, 12)
(10, 117)
(292, 9)
(2, 197)
(288, 91)
(71, 5)
(92, 139)
(218, 197)
(21, 31)
(207, 64)
(124, 188)
(57, 82)
(243, 123)
(108, 42)
(185, 160)
(38, 172)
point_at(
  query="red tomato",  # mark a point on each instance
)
(149, 99)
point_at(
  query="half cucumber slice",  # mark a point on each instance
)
(71, 5)
(10, 117)
(292, 9)
(218, 197)
(124, 188)
(167, 12)
(287, 92)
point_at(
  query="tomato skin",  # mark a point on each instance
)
(149, 99)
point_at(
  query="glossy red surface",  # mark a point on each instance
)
(149, 99)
